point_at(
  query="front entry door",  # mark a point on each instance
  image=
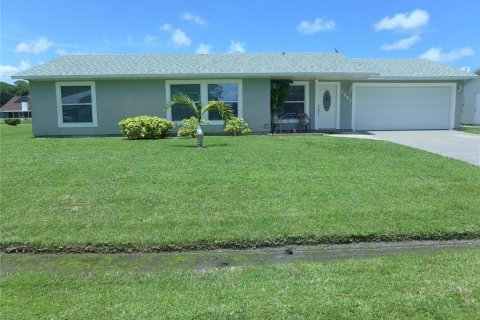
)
(326, 108)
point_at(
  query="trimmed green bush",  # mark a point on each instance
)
(146, 127)
(12, 122)
(188, 128)
(237, 127)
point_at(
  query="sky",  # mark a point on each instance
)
(37, 31)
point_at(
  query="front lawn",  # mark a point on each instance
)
(238, 191)
(475, 129)
(440, 286)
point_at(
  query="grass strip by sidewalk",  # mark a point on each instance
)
(437, 286)
(475, 129)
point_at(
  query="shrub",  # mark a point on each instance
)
(188, 128)
(12, 122)
(237, 127)
(145, 127)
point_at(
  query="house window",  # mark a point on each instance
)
(226, 92)
(193, 92)
(76, 105)
(203, 91)
(295, 102)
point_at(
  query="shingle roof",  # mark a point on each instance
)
(399, 68)
(334, 65)
(14, 104)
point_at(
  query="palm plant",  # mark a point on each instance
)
(181, 99)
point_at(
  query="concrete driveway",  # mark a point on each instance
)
(449, 143)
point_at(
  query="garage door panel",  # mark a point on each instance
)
(402, 108)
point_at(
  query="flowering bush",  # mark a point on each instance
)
(188, 128)
(236, 127)
(145, 127)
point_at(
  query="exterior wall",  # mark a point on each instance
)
(256, 103)
(116, 100)
(470, 89)
(345, 105)
(119, 99)
(311, 104)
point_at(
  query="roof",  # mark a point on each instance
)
(14, 104)
(317, 65)
(411, 68)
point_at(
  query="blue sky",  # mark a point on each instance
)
(34, 31)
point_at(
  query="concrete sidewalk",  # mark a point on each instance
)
(449, 143)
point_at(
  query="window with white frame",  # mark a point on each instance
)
(202, 91)
(295, 102)
(226, 92)
(180, 112)
(76, 106)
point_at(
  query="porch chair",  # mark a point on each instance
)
(303, 121)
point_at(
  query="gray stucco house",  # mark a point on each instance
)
(471, 101)
(90, 94)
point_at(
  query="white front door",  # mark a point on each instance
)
(326, 108)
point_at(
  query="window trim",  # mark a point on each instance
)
(204, 96)
(61, 124)
(306, 85)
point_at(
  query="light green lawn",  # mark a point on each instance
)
(238, 191)
(475, 129)
(440, 286)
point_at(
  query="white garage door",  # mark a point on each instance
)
(402, 106)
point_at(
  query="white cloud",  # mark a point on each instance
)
(167, 27)
(194, 18)
(236, 47)
(149, 39)
(40, 45)
(317, 25)
(415, 19)
(106, 41)
(203, 48)
(7, 70)
(178, 37)
(401, 44)
(437, 54)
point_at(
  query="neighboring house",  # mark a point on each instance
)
(17, 107)
(471, 101)
(90, 94)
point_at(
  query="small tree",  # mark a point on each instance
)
(181, 99)
(278, 94)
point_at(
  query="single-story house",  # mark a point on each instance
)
(471, 101)
(90, 94)
(17, 107)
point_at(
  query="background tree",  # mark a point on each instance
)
(181, 99)
(8, 91)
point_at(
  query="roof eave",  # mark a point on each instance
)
(314, 75)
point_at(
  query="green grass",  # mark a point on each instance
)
(440, 286)
(475, 129)
(238, 191)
